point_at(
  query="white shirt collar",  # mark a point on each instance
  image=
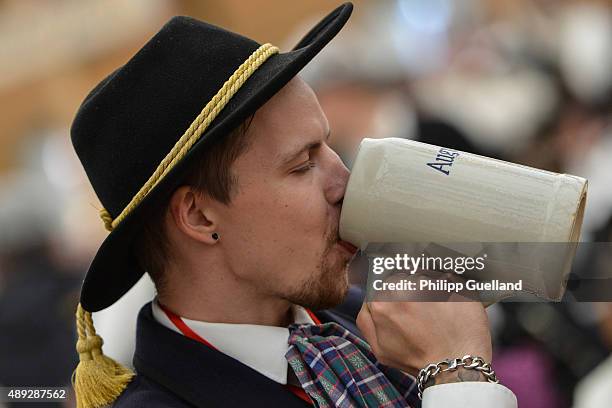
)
(262, 348)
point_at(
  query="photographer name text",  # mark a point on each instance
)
(441, 285)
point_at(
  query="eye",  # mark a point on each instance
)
(305, 168)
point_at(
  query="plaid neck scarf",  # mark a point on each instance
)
(338, 369)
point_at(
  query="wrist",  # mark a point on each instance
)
(461, 374)
(463, 369)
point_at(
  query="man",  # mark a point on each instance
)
(210, 157)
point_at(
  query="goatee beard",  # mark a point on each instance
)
(325, 291)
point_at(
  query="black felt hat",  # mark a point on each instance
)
(143, 123)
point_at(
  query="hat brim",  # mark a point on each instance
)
(114, 269)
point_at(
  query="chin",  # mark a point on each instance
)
(326, 291)
(335, 292)
(328, 302)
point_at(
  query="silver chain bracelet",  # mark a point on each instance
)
(467, 361)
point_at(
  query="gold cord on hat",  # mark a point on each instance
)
(195, 130)
(98, 380)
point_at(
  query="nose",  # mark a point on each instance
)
(337, 179)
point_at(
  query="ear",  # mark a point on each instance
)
(193, 214)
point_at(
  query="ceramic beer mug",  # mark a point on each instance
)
(403, 192)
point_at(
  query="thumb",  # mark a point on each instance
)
(365, 323)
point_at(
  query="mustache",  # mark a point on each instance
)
(333, 236)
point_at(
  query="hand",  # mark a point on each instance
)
(410, 335)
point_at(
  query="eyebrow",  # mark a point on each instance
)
(289, 157)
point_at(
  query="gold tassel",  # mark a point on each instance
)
(97, 380)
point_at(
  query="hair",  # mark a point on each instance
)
(208, 173)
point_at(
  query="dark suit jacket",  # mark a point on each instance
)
(175, 371)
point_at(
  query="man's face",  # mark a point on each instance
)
(280, 231)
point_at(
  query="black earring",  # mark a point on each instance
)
(215, 236)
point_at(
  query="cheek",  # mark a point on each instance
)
(304, 213)
(296, 215)
(281, 222)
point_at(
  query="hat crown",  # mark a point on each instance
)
(132, 119)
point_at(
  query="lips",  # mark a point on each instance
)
(348, 246)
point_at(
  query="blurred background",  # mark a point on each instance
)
(529, 81)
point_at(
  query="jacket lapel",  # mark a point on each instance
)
(200, 375)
